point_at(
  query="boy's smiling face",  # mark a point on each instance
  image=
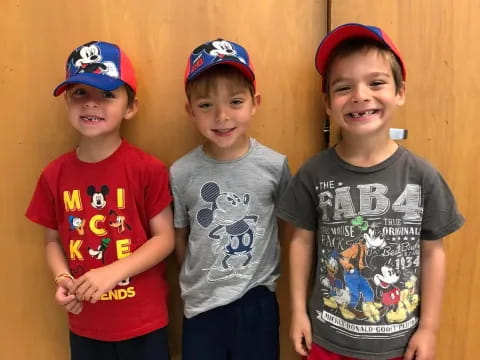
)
(362, 96)
(98, 113)
(223, 116)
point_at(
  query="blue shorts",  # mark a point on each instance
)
(151, 346)
(244, 329)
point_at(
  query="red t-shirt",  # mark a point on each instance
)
(101, 212)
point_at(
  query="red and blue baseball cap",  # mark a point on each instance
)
(217, 52)
(350, 31)
(99, 64)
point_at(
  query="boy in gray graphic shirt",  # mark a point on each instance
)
(369, 214)
(225, 195)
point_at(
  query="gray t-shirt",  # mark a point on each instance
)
(368, 223)
(230, 209)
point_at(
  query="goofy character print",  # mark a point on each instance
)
(353, 262)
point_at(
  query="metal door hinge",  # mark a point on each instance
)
(398, 134)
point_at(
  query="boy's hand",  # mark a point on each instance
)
(93, 284)
(66, 298)
(301, 333)
(421, 345)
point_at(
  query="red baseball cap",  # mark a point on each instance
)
(349, 31)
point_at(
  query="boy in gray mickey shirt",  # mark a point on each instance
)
(225, 195)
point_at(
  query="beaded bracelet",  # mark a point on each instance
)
(63, 275)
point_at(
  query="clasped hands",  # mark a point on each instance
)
(71, 294)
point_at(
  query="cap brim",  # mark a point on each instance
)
(243, 68)
(98, 81)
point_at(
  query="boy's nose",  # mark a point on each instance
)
(222, 115)
(89, 103)
(360, 93)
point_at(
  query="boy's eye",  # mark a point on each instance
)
(78, 91)
(237, 101)
(341, 88)
(108, 94)
(377, 83)
(205, 106)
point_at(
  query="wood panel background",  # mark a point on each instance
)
(437, 38)
(439, 42)
(37, 36)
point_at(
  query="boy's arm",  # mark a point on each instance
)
(432, 259)
(56, 259)
(181, 237)
(59, 266)
(96, 282)
(301, 253)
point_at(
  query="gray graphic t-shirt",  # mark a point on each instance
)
(230, 209)
(369, 223)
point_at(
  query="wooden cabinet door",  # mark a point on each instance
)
(36, 38)
(439, 43)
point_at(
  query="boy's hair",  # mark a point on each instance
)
(101, 65)
(131, 96)
(350, 38)
(212, 54)
(206, 82)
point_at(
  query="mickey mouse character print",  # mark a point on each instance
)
(88, 59)
(220, 48)
(232, 230)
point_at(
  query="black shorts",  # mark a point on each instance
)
(246, 329)
(151, 346)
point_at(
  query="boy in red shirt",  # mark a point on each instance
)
(105, 208)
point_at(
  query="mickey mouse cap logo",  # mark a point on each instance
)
(99, 64)
(216, 52)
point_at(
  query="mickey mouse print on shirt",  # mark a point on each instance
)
(232, 230)
(100, 232)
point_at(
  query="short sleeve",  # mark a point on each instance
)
(297, 204)
(157, 191)
(440, 214)
(285, 178)
(180, 214)
(41, 209)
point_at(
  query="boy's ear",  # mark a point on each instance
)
(65, 97)
(401, 94)
(326, 101)
(256, 101)
(188, 108)
(131, 109)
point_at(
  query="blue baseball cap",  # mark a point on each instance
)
(99, 64)
(216, 52)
